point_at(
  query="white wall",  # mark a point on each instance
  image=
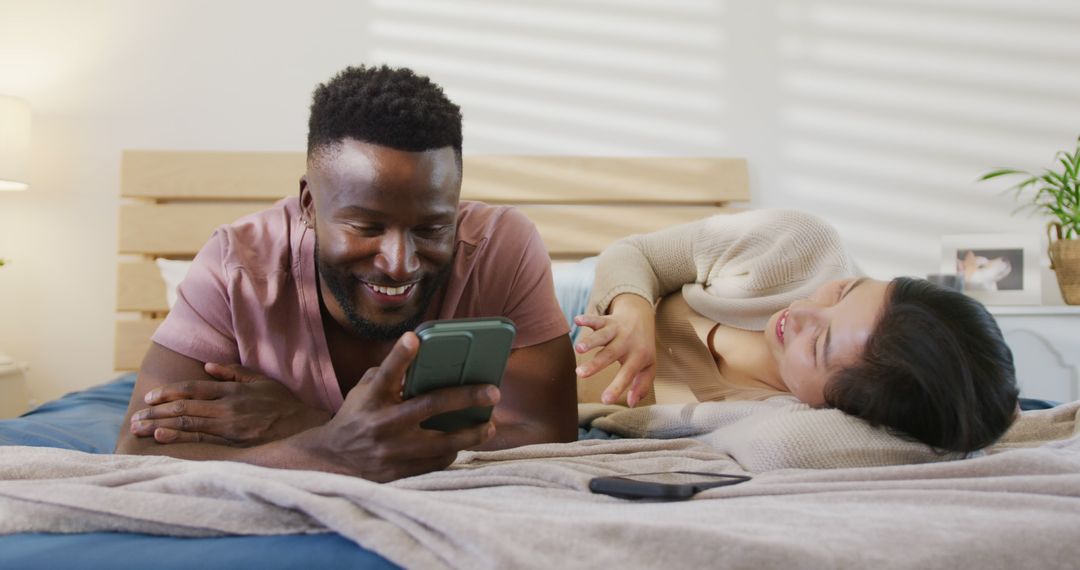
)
(877, 114)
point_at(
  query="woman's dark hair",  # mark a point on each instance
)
(935, 368)
(385, 106)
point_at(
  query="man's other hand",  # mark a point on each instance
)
(243, 408)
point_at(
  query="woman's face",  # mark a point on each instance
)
(813, 338)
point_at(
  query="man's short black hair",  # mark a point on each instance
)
(381, 105)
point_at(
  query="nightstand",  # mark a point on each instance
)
(1045, 341)
(14, 396)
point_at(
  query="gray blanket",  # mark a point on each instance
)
(1017, 505)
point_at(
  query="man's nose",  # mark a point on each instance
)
(397, 257)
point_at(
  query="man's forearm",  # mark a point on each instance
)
(290, 453)
(517, 434)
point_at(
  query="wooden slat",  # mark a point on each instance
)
(576, 179)
(132, 341)
(210, 175)
(139, 287)
(175, 229)
(170, 175)
(181, 229)
(570, 231)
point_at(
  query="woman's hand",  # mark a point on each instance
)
(628, 337)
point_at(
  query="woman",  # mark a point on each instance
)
(767, 302)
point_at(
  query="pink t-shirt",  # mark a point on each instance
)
(251, 297)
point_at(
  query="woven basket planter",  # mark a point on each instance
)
(1065, 261)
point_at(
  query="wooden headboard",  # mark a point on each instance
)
(172, 201)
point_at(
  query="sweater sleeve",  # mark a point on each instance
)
(734, 268)
(648, 265)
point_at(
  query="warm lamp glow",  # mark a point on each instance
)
(14, 143)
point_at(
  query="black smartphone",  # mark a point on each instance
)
(665, 486)
(456, 352)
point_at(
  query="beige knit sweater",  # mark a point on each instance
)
(736, 269)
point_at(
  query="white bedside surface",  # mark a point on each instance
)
(1045, 340)
(1034, 309)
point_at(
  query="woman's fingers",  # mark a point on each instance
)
(641, 385)
(622, 339)
(591, 321)
(622, 380)
(601, 360)
(603, 332)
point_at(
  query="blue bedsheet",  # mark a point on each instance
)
(109, 551)
(89, 421)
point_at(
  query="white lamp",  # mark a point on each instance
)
(14, 143)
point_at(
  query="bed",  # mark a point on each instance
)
(827, 491)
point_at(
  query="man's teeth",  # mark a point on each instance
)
(390, 290)
(783, 325)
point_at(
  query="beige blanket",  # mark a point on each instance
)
(530, 507)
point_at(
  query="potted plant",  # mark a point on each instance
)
(1056, 194)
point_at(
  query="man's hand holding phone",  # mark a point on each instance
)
(377, 433)
(459, 352)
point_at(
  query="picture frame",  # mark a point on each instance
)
(997, 269)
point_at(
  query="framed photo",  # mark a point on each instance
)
(997, 269)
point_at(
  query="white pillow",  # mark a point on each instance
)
(573, 282)
(172, 272)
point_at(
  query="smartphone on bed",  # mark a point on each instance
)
(456, 352)
(664, 486)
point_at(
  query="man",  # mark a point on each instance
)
(292, 330)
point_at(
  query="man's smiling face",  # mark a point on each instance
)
(385, 222)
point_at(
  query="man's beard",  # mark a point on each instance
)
(342, 286)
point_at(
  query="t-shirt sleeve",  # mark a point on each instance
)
(530, 301)
(200, 324)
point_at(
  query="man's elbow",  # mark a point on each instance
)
(565, 431)
(562, 430)
(129, 445)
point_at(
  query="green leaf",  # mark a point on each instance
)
(1018, 188)
(1001, 172)
(1056, 194)
(1070, 171)
(1054, 180)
